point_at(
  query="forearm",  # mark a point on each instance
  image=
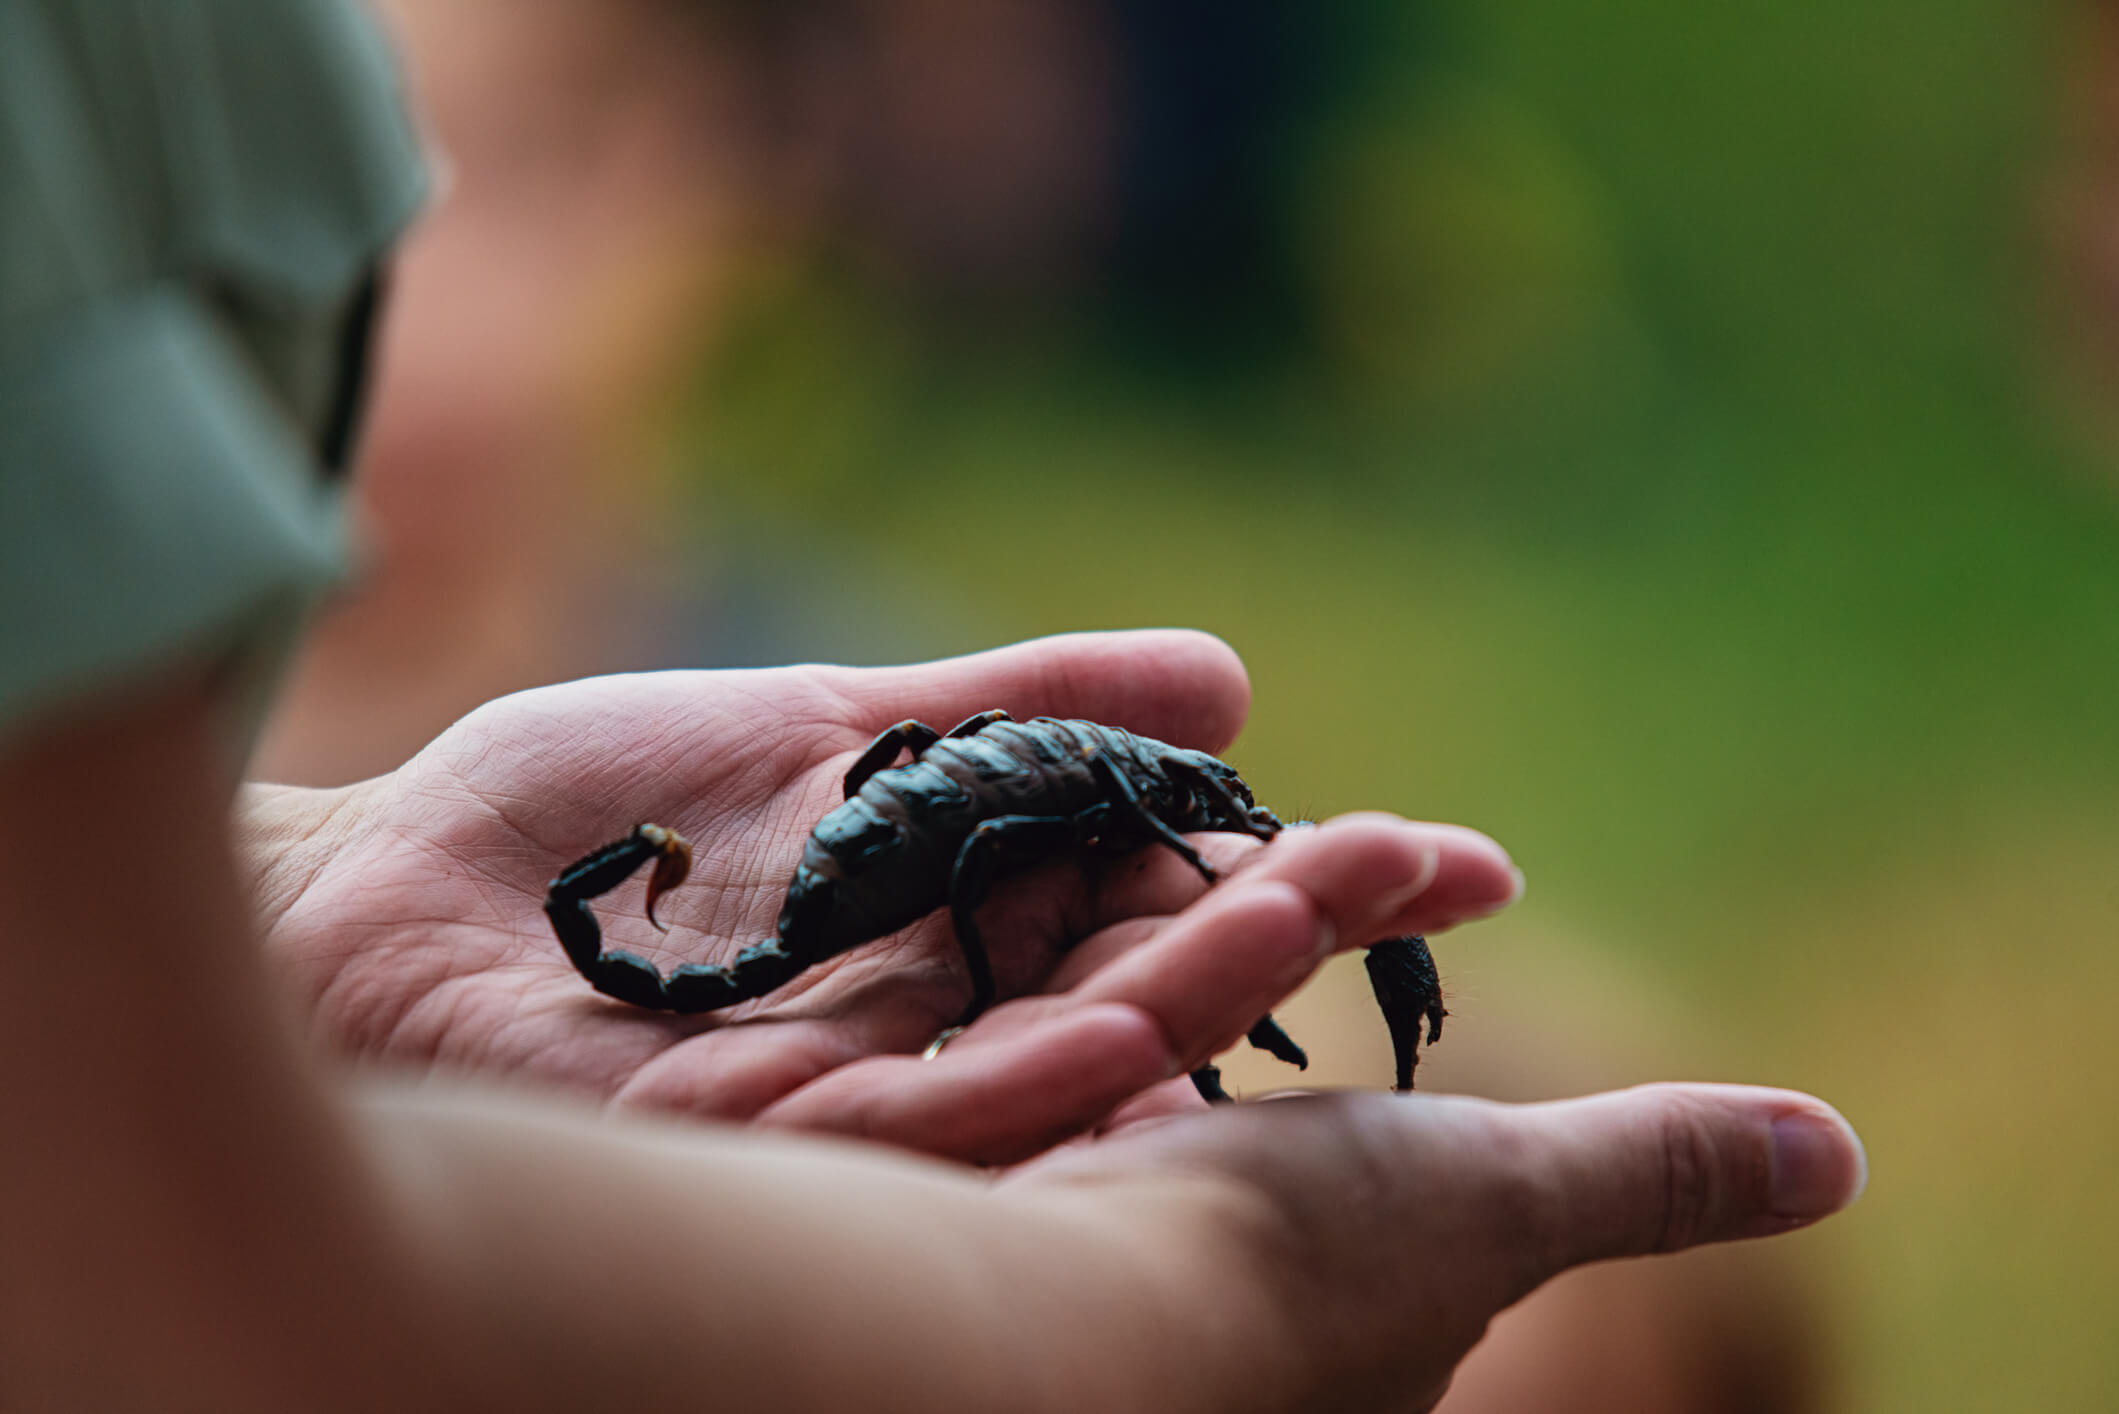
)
(672, 1267)
(184, 1205)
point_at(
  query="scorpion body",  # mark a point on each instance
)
(938, 830)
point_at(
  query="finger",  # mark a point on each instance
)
(1019, 1093)
(1207, 975)
(1520, 1193)
(1371, 876)
(733, 1072)
(1169, 1100)
(1387, 1216)
(1036, 1072)
(1175, 685)
(1664, 1167)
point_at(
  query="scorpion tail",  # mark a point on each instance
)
(629, 977)
(598, 872)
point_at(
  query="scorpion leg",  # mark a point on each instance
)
(1267, 1035)
(978, 722)
(915, 736)
(1207, 1081)
(1125, 800)
(972, 880)
(885, 748)
(1402, 975)
(628, 976)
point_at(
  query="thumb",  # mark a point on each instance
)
(1665, 1167)
(1392, 1228)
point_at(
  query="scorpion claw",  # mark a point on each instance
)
(1402, 974)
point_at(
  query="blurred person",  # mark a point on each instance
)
(515, 526)
(608, 163)
(199, 1212)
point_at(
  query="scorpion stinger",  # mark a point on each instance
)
(630, 977)
(673, 864)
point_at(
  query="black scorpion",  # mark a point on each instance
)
(936, 830)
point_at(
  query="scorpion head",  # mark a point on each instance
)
(1211, 809)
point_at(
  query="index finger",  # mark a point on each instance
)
(1211, 970)
(1176, 685)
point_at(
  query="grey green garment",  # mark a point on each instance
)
(194, 197)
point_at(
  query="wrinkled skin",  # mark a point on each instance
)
(406, 909)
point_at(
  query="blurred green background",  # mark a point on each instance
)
(1676, 439)
(1665, 436)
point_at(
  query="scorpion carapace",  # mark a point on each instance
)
(936, 831)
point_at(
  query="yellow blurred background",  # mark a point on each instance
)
(1676, 439)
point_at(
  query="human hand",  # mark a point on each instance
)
(1315, 1253)
(408, 909)
(1359, 1244)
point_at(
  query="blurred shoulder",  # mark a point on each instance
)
(259, 143)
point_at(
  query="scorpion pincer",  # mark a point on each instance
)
(937, 831)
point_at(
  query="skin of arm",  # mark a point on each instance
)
(181, 1196)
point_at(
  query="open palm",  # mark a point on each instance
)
(408, 909)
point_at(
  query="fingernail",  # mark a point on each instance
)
(1515, 892)
(1810, 1171)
